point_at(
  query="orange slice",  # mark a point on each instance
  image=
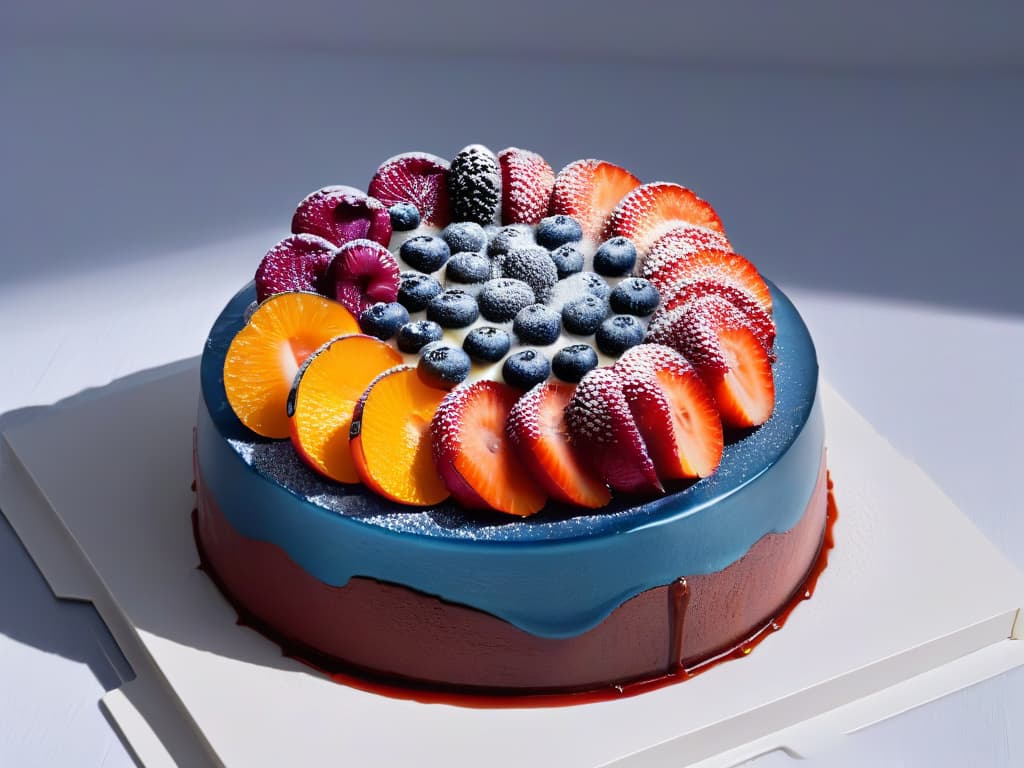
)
(390, 438)
(265, 355)
(324, 397)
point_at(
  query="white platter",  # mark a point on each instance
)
(915, 603)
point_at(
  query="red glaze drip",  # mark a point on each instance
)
(679, 601)
(363, 681)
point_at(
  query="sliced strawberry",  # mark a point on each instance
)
(603, 429)
(417, 178)
(362, 273)
(297, 263)
(475, 457)
(724, 266)
(674, 411)
(526, 184)
(679, 241)
(341, 214)
(720, 344)
(536, 426)
(649, 211)
(760, 320)
(588, 190)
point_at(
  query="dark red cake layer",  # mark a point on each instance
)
(397, 633)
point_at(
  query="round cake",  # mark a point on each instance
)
(491, 429)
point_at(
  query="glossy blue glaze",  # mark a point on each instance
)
(556, 574)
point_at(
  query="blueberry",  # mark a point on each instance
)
(464, 236)
(509, 238)
(383, 319)
(524, 369)
(501, 299)
(453, 309)
(584, 314)
(532, 265)
(467, 268)
(568, 260)
(558, 230)
(426, 253)
(487, 344)
(443, 366)
(615, 256)
(618, 333)
(415, 290)
(404, 216)
(573, 362)
(537, 324)
(635, 296)
(585, 282)
(414, 336)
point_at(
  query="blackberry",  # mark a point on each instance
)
(474, 185)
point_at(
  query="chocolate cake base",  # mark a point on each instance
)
(397, 634)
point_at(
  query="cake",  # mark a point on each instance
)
(487, 429)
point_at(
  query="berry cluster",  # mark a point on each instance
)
(614, 313)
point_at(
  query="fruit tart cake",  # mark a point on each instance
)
(487, 428)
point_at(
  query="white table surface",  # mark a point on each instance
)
(139, 189)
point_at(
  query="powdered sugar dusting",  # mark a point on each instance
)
(526, 184)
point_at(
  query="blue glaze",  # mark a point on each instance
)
(556, 574)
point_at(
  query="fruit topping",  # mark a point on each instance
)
(635, 296)
(601, 425)
(474, 455)
(414, 336)
(536, 426)
(390, 438)
(649, 211)
(467, 269)
(465, 236)
(425, 253)
(618, 333)
(568, 260)
(474, 185)
(526, 368)
(537, 324)
(719, 342)
(324, 396)
(487, 344)
(383, 319)
(584, 314)
(362, 273)
(588, 190)
(443, 366)
(417, 178)
(615, 256)
(501, 299)
(557, 230)
(756, 315)
(341, 214)
(724, 266)
(404, 217)
(453, 309)
(674, 411)
(415, 290)
(509, 238)
(532, 265)
(526, 183)
(297, 263)
(680, 241)
(266, 353)
(572, 363)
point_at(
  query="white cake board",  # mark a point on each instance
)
(915, 603)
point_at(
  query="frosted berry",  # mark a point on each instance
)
(558, 230)
(425, 253)
(443, 366)
(474, 185)
(383, 319)
(635, 296)
(572, 363)
(487, 344)
(404, 217)
(568, 260)
(415, 290)
(584, 314)
(525, 369)
(501, 299)
(618, 333)
(453, 309)
(464, 236)
(615, 256)
(414, 336)
(537, 324)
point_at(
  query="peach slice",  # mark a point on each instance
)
(266, 353)
(390, 438)
(324, 396)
